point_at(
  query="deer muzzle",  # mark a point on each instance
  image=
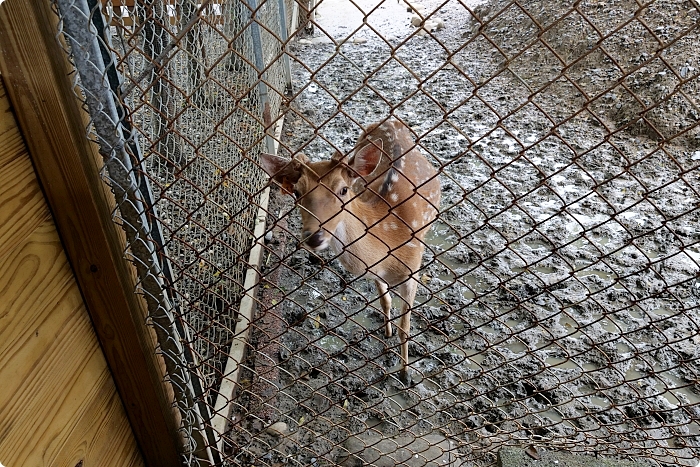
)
(316, 241)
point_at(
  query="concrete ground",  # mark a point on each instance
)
(514, 457)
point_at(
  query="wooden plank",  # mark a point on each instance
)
(246, 310)
(7, 119)
(239, 344)
(58, 403)
(22, 205)
(113, 438)
(53, 124)
(33, 278)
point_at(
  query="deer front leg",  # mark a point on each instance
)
(385, 299)
(407, 290)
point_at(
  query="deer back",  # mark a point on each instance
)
(403, 181)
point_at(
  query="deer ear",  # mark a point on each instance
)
(366, 159)
(285, 172)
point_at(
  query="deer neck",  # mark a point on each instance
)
(350, 227)
(359, 250)
(355, 220)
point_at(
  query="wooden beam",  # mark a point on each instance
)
(239, 346)
(36, 74)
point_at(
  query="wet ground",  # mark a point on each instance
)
(559, 300)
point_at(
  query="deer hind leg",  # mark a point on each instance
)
(407, 291)
(385, 299)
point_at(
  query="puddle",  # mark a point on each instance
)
(675, 385)
(441, 236)
(563, 363)
(517, 347)
(537, 245)
(368, 318)
(606, 276)
(553, 415)
(663, 311)
(536, 269)
(398, 401)
(571, 325)
(331, 344)
(601, 402)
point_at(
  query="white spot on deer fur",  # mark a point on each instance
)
(386, 227)
(412, 245)
(394, 226)
(340, 230)
(414, 224)
(394, 197)
(393, 178)
(414, 204)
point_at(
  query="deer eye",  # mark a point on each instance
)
(343, 191)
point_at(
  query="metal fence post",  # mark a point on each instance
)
(260, 67)
(284, 36)
(88, 58)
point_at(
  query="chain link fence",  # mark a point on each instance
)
(557, 302)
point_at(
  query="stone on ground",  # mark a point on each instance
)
(373, 449)
(514, 457)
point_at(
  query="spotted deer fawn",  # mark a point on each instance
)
(373, 208)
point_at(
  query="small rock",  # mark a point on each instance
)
(416, 20)
(696, 156)
(432, 450)
(532, 453)
(278, 429)
(359, 40)
(433, 24)
(414, 7)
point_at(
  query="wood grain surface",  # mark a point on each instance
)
(58, 403)
(23, 207)
(38, 83)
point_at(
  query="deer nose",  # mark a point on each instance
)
(314, 240)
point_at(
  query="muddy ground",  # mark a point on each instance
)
(558, 303)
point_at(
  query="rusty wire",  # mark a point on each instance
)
(558, 299)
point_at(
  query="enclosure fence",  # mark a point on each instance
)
(557, 302)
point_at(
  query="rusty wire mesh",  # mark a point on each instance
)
(557, 304)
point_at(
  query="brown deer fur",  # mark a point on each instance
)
(374, 209)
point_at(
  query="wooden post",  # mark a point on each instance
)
(36, 74)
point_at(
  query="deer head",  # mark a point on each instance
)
(323, 190)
